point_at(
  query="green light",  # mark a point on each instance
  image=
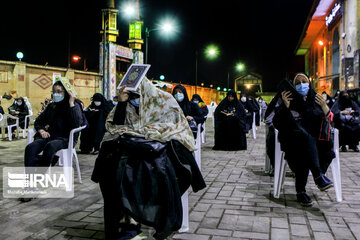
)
(212, 51)
(224, 89)
(229, 89)
(162, 77)
(240, 67)
(19, 55)
(135, 30)
(218, 88)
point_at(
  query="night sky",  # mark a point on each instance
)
(261, 34)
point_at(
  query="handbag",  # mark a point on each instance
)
(327, 128)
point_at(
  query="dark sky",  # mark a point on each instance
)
(261, 34)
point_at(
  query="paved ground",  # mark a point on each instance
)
(237, 203)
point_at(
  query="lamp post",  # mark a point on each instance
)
(167, 27)
(239, 67)
(211, 52)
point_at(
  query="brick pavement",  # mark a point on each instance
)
(237, 203)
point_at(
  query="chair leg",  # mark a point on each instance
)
(335, 169)
(185, 208)
(9, 133)
(67, 169)
(77, 165)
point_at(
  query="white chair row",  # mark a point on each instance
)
(185, 196)
(4, 125)
(65, 156)
(280, 164)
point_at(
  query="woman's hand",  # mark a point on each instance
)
(72, 99)
(285, 95)
(123, 94)
(44, 134)
(322, 103)
(189, 118)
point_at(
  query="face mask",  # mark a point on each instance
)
(19, 103)
(197, 102)
(243, 99)
(58, 97)
(115, 103)
(302, 88)
(97, 103)
(135, 102)
(260, 101)
(179, 97)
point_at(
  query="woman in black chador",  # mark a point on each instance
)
(146, 165)
(249, 110)
(299, 119)
(230, 124)
(347, 120)
(96, 115)
(20, 110)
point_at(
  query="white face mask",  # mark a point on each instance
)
(115, 103)
(243, 99)
(97, 103)
(179, 97)
(19, 103)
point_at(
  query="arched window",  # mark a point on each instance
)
(335, 52)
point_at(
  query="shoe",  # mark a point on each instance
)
(343, 148)
(132, 232)
(355, 148)
(95, 152)
(304, 199)
(25, 199)
(323, 182)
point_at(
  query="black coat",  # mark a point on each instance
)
(230, 130)
(145, 179)
(349, 130)
(96, 119)
(58, 119)
(189, 108)
(23, 111)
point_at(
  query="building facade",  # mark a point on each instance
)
(330, 45)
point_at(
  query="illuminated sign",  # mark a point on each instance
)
(335, 13)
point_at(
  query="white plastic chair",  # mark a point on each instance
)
(65, 155)
(203, 137)
(26, 126)
(4, 124)
(254, 126)
(267, 159)
(185, 196)
(280, 164)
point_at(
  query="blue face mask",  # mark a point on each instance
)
(302, 89)
(58, 97)
(179, 97)
(135, 102)
(197, 102)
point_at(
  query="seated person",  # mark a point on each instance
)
(202, 106)
(146, 165)
(190, 109)
(249, 109)
(18, 109)
(329, 100)
(230, 124)
(299, 120)
(53, 127)
(347, 120)
(96, 115)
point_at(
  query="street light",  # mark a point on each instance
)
(19, 55)
(166, 26)
(77, 59)
(211, 52)
(240, 67)
(162, 77)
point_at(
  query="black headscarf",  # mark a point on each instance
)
(184, 104)
(344, 102)
(197, 96)
(105, 105)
